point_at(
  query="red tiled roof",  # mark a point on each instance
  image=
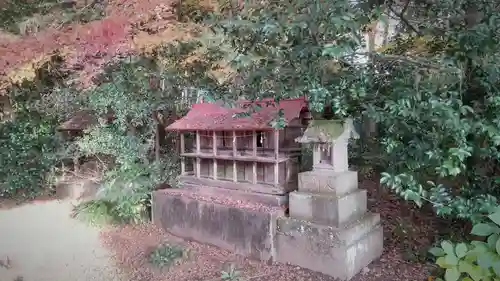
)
(211, 116)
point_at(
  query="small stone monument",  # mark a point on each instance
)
(330, 173)
(329, 229)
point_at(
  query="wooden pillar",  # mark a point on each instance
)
(276, 156)
(183, 159)
(198, 152)
(235, 170)
(254, 154)
(214, 150)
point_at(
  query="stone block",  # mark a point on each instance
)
(327, 209)
(327, 181)
(245, 232)
(338, 252)
(77, 191)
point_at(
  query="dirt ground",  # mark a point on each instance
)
(408, 232)
(39, 241)
(132, 246)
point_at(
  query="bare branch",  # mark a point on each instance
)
(395, 58)
(401, 16)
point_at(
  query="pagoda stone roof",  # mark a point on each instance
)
(326, 131)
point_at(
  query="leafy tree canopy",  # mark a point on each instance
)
(436, 108)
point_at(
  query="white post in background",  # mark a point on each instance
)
(183, 150)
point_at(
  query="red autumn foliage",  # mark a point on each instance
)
(102, 38)
(96, 44)
(87, 47)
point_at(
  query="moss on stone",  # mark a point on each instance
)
(323, 131)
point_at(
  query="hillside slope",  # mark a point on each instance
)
(129, 26)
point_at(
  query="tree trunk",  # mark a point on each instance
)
(369, 126)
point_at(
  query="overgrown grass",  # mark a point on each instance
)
(96, 212)
(102, 211)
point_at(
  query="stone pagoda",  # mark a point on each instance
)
(329, 229)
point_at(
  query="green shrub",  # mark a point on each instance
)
(96, 212)
(231, 274)
(27, 155)
(125, 194)
(124, 89)
(473, 261)
(166, 255)
(192, 10)
(29, 145)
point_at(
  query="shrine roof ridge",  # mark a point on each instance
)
(217, 117)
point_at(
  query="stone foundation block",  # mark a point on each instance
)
(327, 181)
(327, 209)
(339, 252)
(77, 191)
(242, 231)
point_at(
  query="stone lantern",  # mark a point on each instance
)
(329, 229)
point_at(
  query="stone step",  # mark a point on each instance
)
(328, 209)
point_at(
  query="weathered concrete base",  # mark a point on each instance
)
(328, 209)
(338, 252)
(244, 227)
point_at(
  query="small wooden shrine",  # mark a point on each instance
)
(74, 128)
(221, 150)
(76, 124)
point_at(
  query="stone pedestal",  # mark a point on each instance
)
(328, 209)
(329, 229)
(338, 252)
